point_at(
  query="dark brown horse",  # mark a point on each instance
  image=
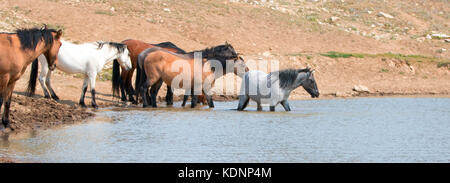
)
(124, 81)
(155, 66)
(18, 50)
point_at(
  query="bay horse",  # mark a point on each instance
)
(155, 66)
(274, 88)
(124, 81)
(87, 59)
(18, 50)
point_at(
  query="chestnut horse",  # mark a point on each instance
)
(124, 81)
(155, 66)
(18, 50)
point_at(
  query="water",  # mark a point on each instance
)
(337, 130)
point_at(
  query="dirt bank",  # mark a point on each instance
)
(31, 113)
(6, 160)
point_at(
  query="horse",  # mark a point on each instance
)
(124, 81)
(274, 88)
(155, 66)
(88, 59)
(18, 50)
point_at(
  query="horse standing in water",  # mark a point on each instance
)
(88, 59)
(124, 81)
(18, 50)
(275, 87)
(155, 66)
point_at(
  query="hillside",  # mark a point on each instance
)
(389, 46)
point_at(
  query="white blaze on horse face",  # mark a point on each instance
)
(183, 79)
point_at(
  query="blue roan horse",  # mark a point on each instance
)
(275, 87)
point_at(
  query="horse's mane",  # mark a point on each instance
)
(29, 38)
(119, 46)
(170, 45)
(218, 52)
(286, 77)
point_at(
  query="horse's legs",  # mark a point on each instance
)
(154, 91)
(243, 102)
(83, 91)
(42, 75)
(1, 104)
(285, 104)
(49, 86)
(169, 96)
(272, 108)
(259, 108)
(131, 92)
(209, 100)
(92, 78)
(185, 97)
(194, 100)
(144, 91)
(7, 97)
(122, 91)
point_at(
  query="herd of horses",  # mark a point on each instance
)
(153, 63)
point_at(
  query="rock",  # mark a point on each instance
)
(428, 36)
(442, 50)
(440, 36)
(113, 9)
(333, 19)
(447, 40)
(361, 89)
(386, 15)
(412, 69)
(166, 9)
(421, 39)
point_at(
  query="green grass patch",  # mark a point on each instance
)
(334, 54)
(443, 64)
(409, 59)
(384, 70)
(100, 12)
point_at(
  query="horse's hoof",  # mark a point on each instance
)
(95, 106)
(47, 96)
(56, 98)
(83, 105)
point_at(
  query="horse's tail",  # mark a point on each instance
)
(33, 77)
(140, 78)
(116, 80)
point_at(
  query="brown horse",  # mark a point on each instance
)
(124, 81)
(18, 50)
(155, 66)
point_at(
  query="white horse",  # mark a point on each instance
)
(88, 59)
(275, 87)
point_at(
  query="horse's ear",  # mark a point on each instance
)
(58, 34)
(44, 27)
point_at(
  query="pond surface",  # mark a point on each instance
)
(331, 130)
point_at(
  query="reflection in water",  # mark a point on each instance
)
(340, 130)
